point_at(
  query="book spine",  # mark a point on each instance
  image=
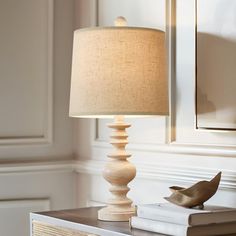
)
(163, 215)
(158, 226)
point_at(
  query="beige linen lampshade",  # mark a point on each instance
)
(118, 70)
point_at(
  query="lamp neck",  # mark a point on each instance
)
(118, 118)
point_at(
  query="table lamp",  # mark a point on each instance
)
(118, 71)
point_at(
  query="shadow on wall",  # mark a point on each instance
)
(216, 79)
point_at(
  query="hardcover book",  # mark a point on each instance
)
(167, 228)
(171, 213)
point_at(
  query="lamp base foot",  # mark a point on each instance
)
(113, 214)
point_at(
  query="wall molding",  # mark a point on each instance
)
(43, 166)
(176, 148)
(171, 173)
(173, 146)
(26, 202)
(152, 171)
(47, 136)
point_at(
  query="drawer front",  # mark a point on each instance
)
(42, 229)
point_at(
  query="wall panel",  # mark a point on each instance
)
(36, 48)
(178, 154)
(17, 212)
(35, 128)
(186, 132)
(26, 71)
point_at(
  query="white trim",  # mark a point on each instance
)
(47, 137)
(23, 167)
(176, 148)
(174, 173)
(26, 202)
(91, 167)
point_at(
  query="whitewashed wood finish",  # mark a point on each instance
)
(118, 171)
(13, 129)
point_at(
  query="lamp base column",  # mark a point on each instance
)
(118, 172)
(111, 214)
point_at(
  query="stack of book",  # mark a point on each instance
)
(169, 219)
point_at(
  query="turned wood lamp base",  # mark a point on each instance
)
(118, 172)
(109, 214)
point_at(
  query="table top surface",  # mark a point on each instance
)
(88, 217)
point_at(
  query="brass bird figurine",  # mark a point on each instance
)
(196, 195)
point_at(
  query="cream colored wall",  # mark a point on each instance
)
(36, 171)
(166, 151)
(40, 86)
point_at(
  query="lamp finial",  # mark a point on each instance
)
(120, 21)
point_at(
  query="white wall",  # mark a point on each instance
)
(36, 167)
(166, 151)
(38, 139)
(35, 82)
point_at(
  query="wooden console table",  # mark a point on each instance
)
(79, 222)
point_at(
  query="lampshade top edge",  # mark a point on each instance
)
(117, 28)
